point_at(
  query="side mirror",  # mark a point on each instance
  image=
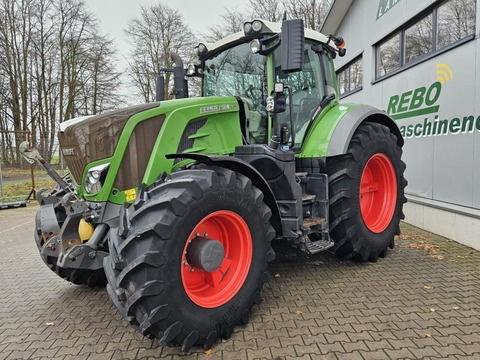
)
(293, 45)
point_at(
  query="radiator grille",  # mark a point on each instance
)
(94, 138)
(138, 153)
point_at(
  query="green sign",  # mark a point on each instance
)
(416, 102)
(384, 6)
(424, 101)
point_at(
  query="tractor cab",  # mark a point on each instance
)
(248, 64)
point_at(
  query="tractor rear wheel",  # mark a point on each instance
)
(190, 256)
(366, 190)
(90, 278)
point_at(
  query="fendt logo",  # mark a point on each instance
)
(424, 101)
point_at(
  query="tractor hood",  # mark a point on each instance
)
(91, 141)
(90, 138)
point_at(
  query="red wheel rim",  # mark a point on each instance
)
(216, 288)
(378, 193)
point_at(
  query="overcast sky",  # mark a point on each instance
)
(114, 15)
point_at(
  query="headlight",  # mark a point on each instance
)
(247, 27)
(257, 25)
(255, 46)
(201, 48)
(191, 70)
(95, 178)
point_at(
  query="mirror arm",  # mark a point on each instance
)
(290, 106)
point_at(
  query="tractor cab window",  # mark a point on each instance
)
(308, 90)
(239, 72)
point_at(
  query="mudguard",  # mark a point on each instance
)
(234, 164)
(332, 133)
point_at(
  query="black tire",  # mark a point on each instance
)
(90, 278)
(145, 261)
(352, 234)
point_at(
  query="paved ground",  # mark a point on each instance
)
(422, 301)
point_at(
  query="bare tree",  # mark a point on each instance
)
(313, 12)
(15, 40)
(100, 79)
(55, 66)
(271, 10)
(232, 22)
(154, 34)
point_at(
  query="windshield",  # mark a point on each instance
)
(235, 72)
(239, 72)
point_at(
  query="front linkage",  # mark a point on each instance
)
(65, 235)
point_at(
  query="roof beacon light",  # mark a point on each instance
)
(339, 42)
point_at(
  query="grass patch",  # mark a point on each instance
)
(24, 173)
(21, 189)
(13, 173)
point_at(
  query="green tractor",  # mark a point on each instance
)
(175, 203)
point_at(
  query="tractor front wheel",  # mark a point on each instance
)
(190, 256)
(366, 190)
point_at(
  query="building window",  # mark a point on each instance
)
(440, 26)
(455, 21)
(388, 55)
(350, 77)
(419, 38)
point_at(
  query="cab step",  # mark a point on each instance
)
(313, 247)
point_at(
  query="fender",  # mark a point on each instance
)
(347, 126)
(332, 133)
(235, 164)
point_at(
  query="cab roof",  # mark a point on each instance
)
(268, 27)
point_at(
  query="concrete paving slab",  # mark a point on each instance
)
(421, 301)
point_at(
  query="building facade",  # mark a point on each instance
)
(419, 60)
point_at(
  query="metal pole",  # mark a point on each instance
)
(61, 162)
(1, 182)
(32, 192)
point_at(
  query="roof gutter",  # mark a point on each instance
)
(335, 16)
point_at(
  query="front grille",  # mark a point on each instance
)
(94, 138)
(138, 153)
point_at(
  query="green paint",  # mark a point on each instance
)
(318, 138)
(408, 114)
(384, 6)
(220, 135)
(441, 127)
(420, 101)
